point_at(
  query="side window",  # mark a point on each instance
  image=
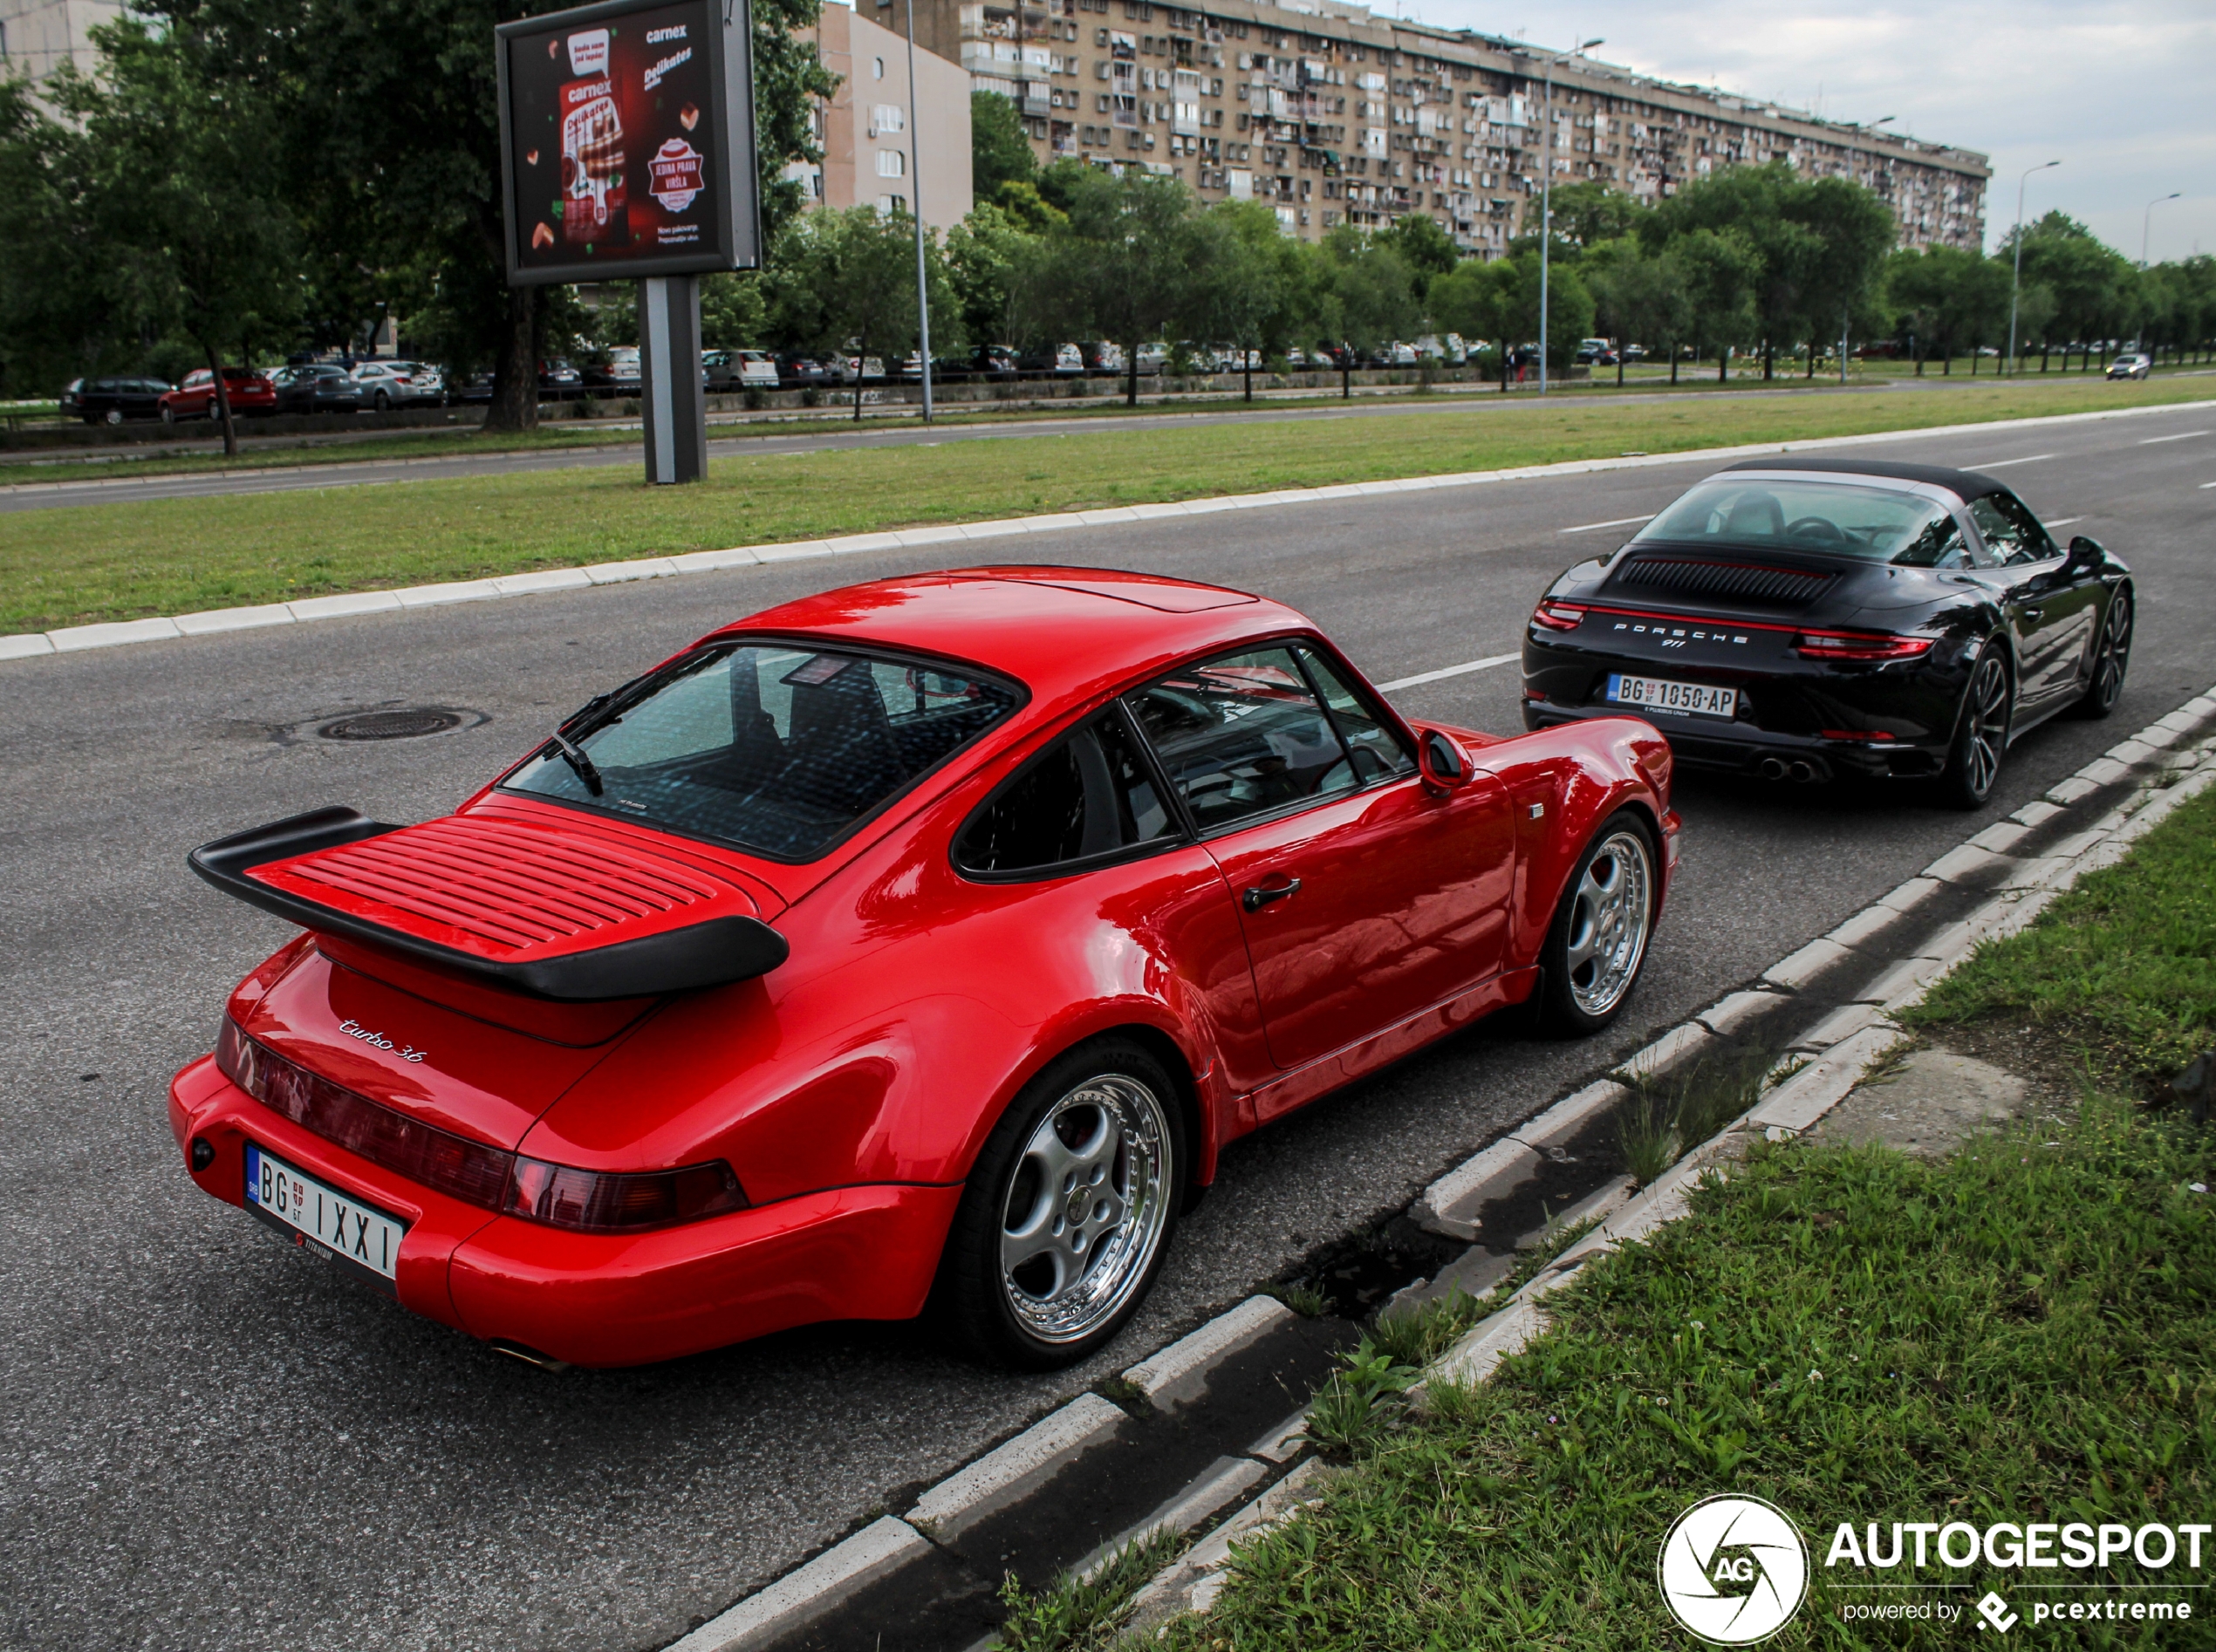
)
(1939, 545)
(1089, 795)
(1376, 749)
(1243, 736)
(2010, 530)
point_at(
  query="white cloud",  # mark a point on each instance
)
(2120, 94)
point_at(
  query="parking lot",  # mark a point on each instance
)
(210, 1439)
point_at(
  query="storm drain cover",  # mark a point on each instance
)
(407, 723)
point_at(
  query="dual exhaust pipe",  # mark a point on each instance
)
(1799, 769)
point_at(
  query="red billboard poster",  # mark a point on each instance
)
(622, 147)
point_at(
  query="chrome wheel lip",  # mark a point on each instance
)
(1092, 1213)
(1611, 912)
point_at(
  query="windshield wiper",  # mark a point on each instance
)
(577, 760)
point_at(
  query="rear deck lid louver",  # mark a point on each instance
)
(1737, 580)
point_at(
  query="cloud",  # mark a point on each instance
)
(2119, 94)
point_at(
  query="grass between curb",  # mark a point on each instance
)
(89, 563)
(2024, 1331)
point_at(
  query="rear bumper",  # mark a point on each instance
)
(598, 1300)
(1737, 749)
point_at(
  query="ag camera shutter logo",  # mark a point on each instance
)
(1733, 1570)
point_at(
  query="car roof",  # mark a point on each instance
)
(1068, 634)
(1965, 485)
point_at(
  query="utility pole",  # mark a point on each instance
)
(2146, 223)
(915, 198)
(1546, 194)
(2016, 280)
(1846, 310)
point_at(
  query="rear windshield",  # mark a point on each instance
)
(1876, 524)
(777, 748)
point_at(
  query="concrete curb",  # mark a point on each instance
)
(1007, 1472)
(800, 1597)
(1180, 1371)
(114, 634)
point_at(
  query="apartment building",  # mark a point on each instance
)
(37, 37)
(1334, 114)
(864, 128)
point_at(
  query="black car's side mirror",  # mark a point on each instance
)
(2085, 552)
(1441, 760)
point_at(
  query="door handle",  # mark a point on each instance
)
(2031, 613)
(1257, 898)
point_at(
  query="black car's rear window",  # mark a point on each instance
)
(775, 746)
(1839, 519)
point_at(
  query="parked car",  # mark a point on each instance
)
(618, 373)
(1152, 358)
(1102, 355)
(2132, 365)
(796, 371)
(653, 1046)
(465, 388)
(1591, 353)
(729, 371)
(1449, 348)
(1056, 359)
(994, 361)
(249, 390)
(558, 381)
(110, 401)
(400, 383)
(318, 387)
(846, 369)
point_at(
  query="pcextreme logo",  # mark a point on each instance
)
(1733, 1570)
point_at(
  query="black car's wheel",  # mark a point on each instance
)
(1597, 944)
(1981, 733)
(1067, 1214)
(2111, 658)
(114, 415)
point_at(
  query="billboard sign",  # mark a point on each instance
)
(626, 135)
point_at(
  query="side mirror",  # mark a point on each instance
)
(2086, 552)
(1440, 762)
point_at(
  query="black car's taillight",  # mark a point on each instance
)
(1859, 645)
(558, 1195)
(1558, 616)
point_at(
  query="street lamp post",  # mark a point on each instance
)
(1546, 194)
(2016, 280)
(1846, 310)
(915, 196)
(2146, 223)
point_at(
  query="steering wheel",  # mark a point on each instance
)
(1816, 527)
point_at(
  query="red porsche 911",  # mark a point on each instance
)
(917, 945)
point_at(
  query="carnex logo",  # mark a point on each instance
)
(1733, 1570)
(1995, 1611)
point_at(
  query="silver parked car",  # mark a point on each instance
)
(400, 383)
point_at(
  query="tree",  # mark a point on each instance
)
(1422, 247)
(1589, 214)
(1465, 300)
(1854, 230)
(1637, 294)
(987, 256)
(61, 311)
(1366, 295)
(1951, 297)
(1000, 150)
(1256, 288)
(846, 282)
(1719, 269)
(2084, 277)
(1123, 264)
(176, 200)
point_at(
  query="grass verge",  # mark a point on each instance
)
(80, 564)
(2022, 1332)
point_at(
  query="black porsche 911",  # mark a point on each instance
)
(1813, 619)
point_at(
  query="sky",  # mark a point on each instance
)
(2123, 95)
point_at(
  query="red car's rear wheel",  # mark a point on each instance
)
(1597, 944)
(1068, 1212)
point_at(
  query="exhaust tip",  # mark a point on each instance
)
(528, 1356)
(1801, 771)
(1772, 768)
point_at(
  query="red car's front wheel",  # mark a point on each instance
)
(1066, 1217)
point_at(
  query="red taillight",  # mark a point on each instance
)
(1558, 616)
(583, 1201)
(610, 1201)
(1859, 645)
(1855, 734)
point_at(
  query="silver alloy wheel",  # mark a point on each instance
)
(2115, 651)
(1609, 915)
(1987, 714)
(1085, 1209)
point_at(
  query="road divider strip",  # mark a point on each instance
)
(121, 634)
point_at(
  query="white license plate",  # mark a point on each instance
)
(339, 1222)
(1656, 693)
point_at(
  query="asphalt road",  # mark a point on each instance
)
(21, 493)
(207, 1438)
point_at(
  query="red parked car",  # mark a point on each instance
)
(249, 390)
(918, 942)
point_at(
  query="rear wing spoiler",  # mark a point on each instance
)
(710, 954)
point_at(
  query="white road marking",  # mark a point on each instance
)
(1621, 521)
(1999, 464)
(2064, 521)
(2206, 486)
(1445, 671)
(2183, 435)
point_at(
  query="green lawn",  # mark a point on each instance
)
(80, 564)
(2023, 1332)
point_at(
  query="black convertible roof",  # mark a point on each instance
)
(1965, 485)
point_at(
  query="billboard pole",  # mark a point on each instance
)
(915, 196)
(669, 361)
